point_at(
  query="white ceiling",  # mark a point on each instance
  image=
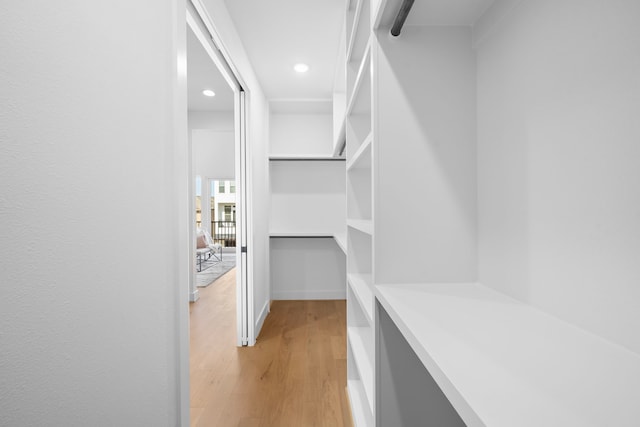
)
(447, 12)
(203, 74)
(280, 33)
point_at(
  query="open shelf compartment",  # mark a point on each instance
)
(359, 194)
(362, 288)
(359, 29)
(360, 354)
(362, 157)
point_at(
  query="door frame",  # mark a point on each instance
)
(188, 10)
(202, 25)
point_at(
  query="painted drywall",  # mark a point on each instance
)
(213, 120)
(424, 156)
(559, 206)
(258, 143)
(301, 134)
(304, 268)
(214, 153)
(307, 197)
(89, 210)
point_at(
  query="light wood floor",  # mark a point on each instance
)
(294, 376)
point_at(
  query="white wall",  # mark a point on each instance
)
(303, 268)
(258, 141)
(89, 167)
(301, 134)
(214, 154)
(558, 150)
(213, 120)
(307, 197)
(424, 156)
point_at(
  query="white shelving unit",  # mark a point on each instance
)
(427, 344)
(360, 222)
(306, 213)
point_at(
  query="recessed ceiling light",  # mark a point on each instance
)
(301, 68)
(208, 92)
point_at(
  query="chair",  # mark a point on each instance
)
(206, 248)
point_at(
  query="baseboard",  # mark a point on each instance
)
(262, 317)
(309, 295)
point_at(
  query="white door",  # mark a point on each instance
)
(242, 272)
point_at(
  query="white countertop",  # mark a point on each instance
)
(503, 363)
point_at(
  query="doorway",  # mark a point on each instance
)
(217, 140)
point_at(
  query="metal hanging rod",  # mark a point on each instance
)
(401, 17)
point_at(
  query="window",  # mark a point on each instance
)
(227, 213)
(232, 187)
(198, 185)
(221, 187)
(198, 201)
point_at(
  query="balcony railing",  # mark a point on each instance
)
(224, 232)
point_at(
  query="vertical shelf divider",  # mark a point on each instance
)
(360, 225)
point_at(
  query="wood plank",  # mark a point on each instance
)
(295, 374)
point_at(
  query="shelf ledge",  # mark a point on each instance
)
(501, 362)
(362, 284)
(363, 72)
(340, 239)
(299, 234)
(338, 145)
(363, 153)
(361, 413)
(379, 10)
(306, 158)
(362, 354)
(362, 225)
(354, 29)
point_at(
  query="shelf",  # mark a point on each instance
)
(359, 197)
(361, 284)
(363, 352)
(338, 145)
(341, 240)
(360, 27)
(360, 412)
(362, 225)
(353, 28)
(359, 257)
(362, 157)
(382, 10)
(503, 363)
(306, 158)
(362, 75)
(295, 234)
